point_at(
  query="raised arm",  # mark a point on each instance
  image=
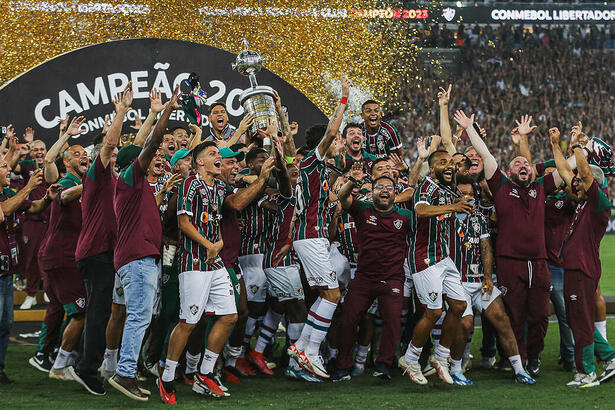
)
(155, 138)
(564, 171)
(523, 131)
(289, 142)
(489, 163)
(335, 122)
(40, 205)
(13, 203)
(585, 172)
(243, 197)
(445, 126)
(112, 137)
(286, 190)
(354, 179)
(51, 171)
(156, 106)
(244, 125)
(415, 172)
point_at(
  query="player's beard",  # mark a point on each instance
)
(464, 179)
(516, 180)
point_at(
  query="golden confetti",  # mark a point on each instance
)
(305, 41)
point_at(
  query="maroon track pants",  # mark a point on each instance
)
(526, 288)
(361, 294)
(33, 234)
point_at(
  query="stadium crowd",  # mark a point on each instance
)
(170, 254)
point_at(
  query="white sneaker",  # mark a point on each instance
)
(28, 303)
(442, 369)
(313, 364)
(487, 362)
(105, 374)
(609, 371)
(413, 370)
(63, 373)
(583, 380)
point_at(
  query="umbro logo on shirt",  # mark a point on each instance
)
(372, 220)
(573, 298)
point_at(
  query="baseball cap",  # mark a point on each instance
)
(182, 153)
(226, 152)
(127, 154)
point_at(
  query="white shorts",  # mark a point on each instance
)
(474, 299)
(254, 277)
(340, 264)
(442, 277)
(314, 256)
(208, 292)
(408, 285)
(118, 291)
(284, 283)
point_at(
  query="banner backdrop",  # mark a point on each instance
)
(84, 81)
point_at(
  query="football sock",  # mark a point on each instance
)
(436, 332)
(294, 331)
(231, 353)
(268, 329)
(304, 339)
(361, 356)
(441, 353)
(111, 359)
(320, 322)
(247, 336)
(455, 365)
(515, 362)
(601, 327)
(192, 361)
(412, 354)
(169, 370)
(61, 359)
(209, 361)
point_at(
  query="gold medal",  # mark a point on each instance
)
(468, 245)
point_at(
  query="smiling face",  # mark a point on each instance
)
(76, 160)
(181, 138)
(218, 118)
(442, 168)
(520, 171)
(5, 168)
(354, 140)
(209, 161)
(38, 152)
(477, 162)
(168, 145)
(156, 167)
(371, 115)
(383, 193)
(229, 169)
(381, 168)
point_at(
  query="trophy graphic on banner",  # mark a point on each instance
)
(258, 99)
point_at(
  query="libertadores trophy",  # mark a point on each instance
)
(258, 99)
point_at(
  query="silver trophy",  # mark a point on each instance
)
(258, 99)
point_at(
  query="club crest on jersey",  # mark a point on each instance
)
(333, 275)
(559, 204)
(398, 223)
(449, 13)
(433, 296)
(503, 289)
(380, 143)
(253, 289)
(475, 226)
(80, 302)
(119, 291)
(194, 309)
(532, 193)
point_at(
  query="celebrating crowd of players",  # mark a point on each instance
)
(170, 254)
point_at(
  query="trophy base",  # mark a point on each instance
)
(258, 101)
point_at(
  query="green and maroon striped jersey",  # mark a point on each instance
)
(277, 237)
(256, 221)
(203, 204)
(430, 242)
(312, 197)
(468, 235)
(347, 236)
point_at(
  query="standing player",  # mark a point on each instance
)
(204, 283)
(433, 272)
(94, 252)
(379, 137)
(521, 257)
(380, 272)
(311, 242)
(581, 255)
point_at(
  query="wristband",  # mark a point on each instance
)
(575, 146)
(289, 242)
(353, 180)
(344, 100)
